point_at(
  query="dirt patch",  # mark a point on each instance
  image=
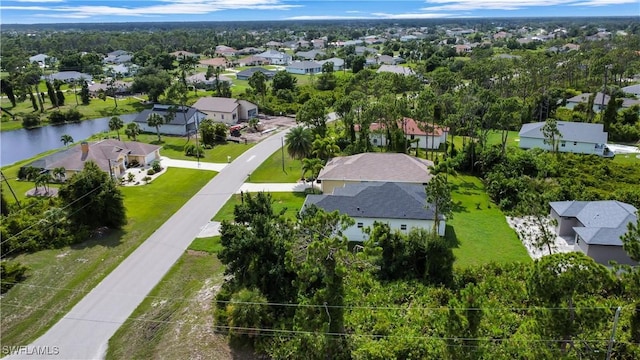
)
(560, 245)
(196, 253)
(269, 126)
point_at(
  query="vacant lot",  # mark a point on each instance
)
(478, 230)
(59, 278)
(292, 202)
(270, 171)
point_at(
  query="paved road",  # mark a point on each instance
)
(85, 331)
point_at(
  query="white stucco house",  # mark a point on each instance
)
(427, 137)
(179, 120)
(226, 110)
(374, 168)
(401, 205)
(338, 64)
(595, 227)
(304, 67)
(579, 138)
(275, 57)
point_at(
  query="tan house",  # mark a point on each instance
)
(374, 167)
(226, 110)
(112, 156)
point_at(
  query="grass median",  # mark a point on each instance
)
(59, 278)
(271, 170)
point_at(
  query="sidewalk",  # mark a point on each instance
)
(189, 164)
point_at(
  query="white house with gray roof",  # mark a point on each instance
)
(596, 227)
(304, 67)
(179, 120)
(338, 64)
(632, 89)
(579, 138)
(402, 206)
(275, 57)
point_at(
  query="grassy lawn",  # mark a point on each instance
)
(292, 202)
(209, 245)
(270, 171)
(173, 147)
(478, 230)
(20, 187)
(175, 321)
(96, 109)
(59, 278)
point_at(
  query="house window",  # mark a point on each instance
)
(360, 225)
(375, 141)
(413, 137)
(575, 143)
(563, 143)
(403, 227)
(222, 117)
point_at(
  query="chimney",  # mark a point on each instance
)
(85, 148)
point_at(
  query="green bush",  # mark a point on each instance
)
(73, 115)
(193, 150)
(11, 273)
(30, 121)
(57, 117)
(151, 172)
(156, 166)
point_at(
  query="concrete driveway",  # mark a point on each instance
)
(190, 164)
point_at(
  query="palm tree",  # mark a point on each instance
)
(132, 131)
(59, 173)
(66, 139)
(324, 148)
(115, 124)
(313, 166)
(156, 121)
(299, 142)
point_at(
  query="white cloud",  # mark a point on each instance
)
(325, 17)
(353, 11)
(38, 1)
(411, 15)
(163, 7)
(463, 5)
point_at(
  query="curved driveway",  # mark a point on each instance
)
(85, 331)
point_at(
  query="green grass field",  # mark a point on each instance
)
(292, 202)
(209, 245)
(59, 278)
(478, 230)
(270, 171)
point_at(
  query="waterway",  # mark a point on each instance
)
(22, 144)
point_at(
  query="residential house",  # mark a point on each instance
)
(247, 73)
(42, 60)
(338, 64)
(501, 35)
(462, 49)
(600, 101)
(396, 69)
(374, 168)
(633, 89)
(361, 50)
(226, 110)
(575, 137)
(595, 227)
(250, 51)
(310, 55)
(318, 43)
(119, 88)
(225, 51)
(69, 76)
(252, 61)
(402, 206)
(183, 54)
(121, 70)
(304, 67)
(200, 81)
(571, 47)
(422, 137)
(179, 120)
(273, 44)
(112, 156)
(406, 38)
(216, 62)
(118, 57)
(276, 57)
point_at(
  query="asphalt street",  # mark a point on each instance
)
(85, 331)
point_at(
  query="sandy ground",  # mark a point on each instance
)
(561, 245)
(623, 149)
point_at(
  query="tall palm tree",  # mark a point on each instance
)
(156, 121)
(59, 173)
(115, 124)
(313, 166)
(132, 131)
(66, 139)
(299, 142)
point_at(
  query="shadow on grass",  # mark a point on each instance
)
(241, 350)
(450, 237)
(174, 147)
(109, 238)
(458, 207)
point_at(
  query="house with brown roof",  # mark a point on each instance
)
(226, 110)
(374, 167)
(112, 156)
(252, 60)
(219, 61)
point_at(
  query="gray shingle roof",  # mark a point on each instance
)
(304, 65)
(632, 89)
(380, 167)
(163, 110)
(250, 71)
(212, 103)
(571, 131)
(377, 200)
(603, 221)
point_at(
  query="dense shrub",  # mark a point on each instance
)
(151, 172)
(193, 150)
(57, 117)
(30, 121)
(156, 166)
(11, 273)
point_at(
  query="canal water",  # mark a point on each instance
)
(22, 144)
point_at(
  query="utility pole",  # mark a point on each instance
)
(613, 333)
(282, 152)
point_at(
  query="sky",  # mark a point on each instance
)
(101, 11)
